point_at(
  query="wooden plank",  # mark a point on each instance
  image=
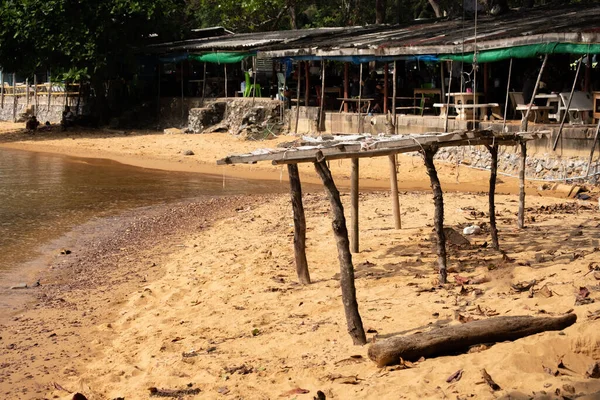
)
(394, 192)
(299, 225)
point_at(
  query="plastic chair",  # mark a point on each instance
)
(281, 86)
(251, 87)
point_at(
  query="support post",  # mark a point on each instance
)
(359, 99)
(321, 118)
(507, 95)
(568, 105)
(49, 89)
(1, 88)
(15, 97)
(27, 92)
(523, 163)
(442, 85)
(35, 95)
(493, 149)
(158, 97)
(78, 98)
(438, 217)
(448, 98)
(394, 94)
(254, 73)
(346, 78)
(225, 69)
(394, 190)
(204, 85)
(298, 97)
(299, 225)
(354, 244)
(535, 89)
(589, 164)
(385, 87)
(182, 106)
(306, 83)
(353, 320)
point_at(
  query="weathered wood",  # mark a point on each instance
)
(458, 338)
(27, 91)
(225, 70)
(359, 99)
(254, 73)
(298, 97)
(203, 85)
(354, 244)
(394, 94)
(535, 89)
(49, 88)
(306, 83)
(1, 88)
(493, 149)
(15, 97)
(182, 105)
(394, 192)
(346, 78)
(353, 320)
(35, 94)
(523, 164)
(322, 102)
(507, 95)
(589, 164)
(299, 225)
(385, 87)
(438, 217)
(448, 98)
(568, 105)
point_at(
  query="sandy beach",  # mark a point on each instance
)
(201, 296)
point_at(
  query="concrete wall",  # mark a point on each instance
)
(43, 112)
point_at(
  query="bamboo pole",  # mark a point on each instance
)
(15, 97)
(353, 319)
(492, 193)
(298, 96)
(346, 84)
(438, 218)
(35, 95)
(507, 95)
(523, 164)
(587, 171)
(385, 88)
(394, 94)
(27, 92)
(49, 88)
(182, 105)
(299, 225)
(448, 98)
(158, 97)
(77, 112)
(321, 117)
(306, 83)
(394, 189)
(564, 117)
(354, 243)
(225, 69)
(359, 99)
(535, 89)
(254, 73)
(204, 85)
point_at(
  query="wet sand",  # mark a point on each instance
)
(204, 295)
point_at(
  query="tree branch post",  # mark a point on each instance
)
(353, 320)
(438, 217)
(299, 225)
(394, 192)
(493, 175)
(523, 164)
(354, 211)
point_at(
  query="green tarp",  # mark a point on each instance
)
(528, 51)
(221, 58)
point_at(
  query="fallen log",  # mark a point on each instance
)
(458, 338)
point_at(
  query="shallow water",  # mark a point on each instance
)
(43, 196)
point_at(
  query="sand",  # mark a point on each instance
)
(217, 307)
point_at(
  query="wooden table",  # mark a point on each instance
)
(538, 113)
(463, 98)
(552, 100)
(423, 92)
(355, 100)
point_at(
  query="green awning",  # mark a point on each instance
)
(221, 57)
(528, 51)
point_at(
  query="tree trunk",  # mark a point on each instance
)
(292, 13)
(458, 338)
(380, 8)
(493, 174)
(438, 218)
(299, 225)
(353, 320)
(437, 8)
(354, 197)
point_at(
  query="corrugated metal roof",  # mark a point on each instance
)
(574, 24)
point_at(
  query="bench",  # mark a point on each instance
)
(539, 113)
(465, 111)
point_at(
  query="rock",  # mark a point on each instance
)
(20, 286)
(188, 153)
(593, 371)
(202, 118)
(472, 230)
(173, 131)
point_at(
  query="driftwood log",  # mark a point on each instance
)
(458, 338)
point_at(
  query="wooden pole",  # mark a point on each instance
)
(321, 118)
(394, 94)
(507, 95)
(442, 84)
(587, 171)
(588, 73)
(353, 319)
(521, 215)
(225, 69)
(182, 105)
(385, 88)
(354, 244)
(359, 99)
(535, 89)
(254, 73)
(1, 88)
(15, 97)
(394, 188)
(299, 225)
(306, 83)
(492, 193)
(485, 83)
(346, 83)
(49, 88)
(204, 85)
(27, 92)
(298, 96)
(448, 98)
(564, 117)
(158, 97)
(35, 95)
(78, 98)
(438, 218)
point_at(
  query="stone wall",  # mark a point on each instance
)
(53, 114)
